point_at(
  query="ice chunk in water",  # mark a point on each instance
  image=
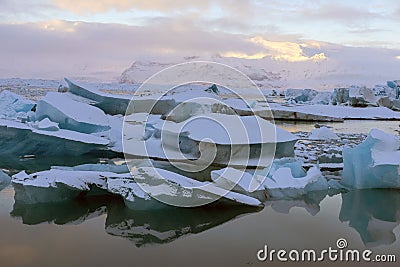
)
(11, 104)
(375, 163)
(70, 114)
(323, 133)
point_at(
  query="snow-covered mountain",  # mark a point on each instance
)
(344, 66)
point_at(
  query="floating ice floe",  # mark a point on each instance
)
(184, 191)
(323, 133)
(22, 139)
(71, 114)
(11, 105)
(237, 140)
(66, 183)
(286, 179)
(375, 163)
(120, 104)
(331, 112)
(110, 104)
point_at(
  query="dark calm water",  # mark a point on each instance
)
(100, 231)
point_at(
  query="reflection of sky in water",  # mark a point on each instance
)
(89, 232)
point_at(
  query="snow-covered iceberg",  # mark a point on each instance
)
(71, 114)
(110, 104)
(12, 104)
(375, 163)
(235, 140)
(67, 183)
(122, 104)
(179, 190)
(285, 179)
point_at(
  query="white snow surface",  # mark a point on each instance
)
(337, 111)
(323, 133)
(70, 114)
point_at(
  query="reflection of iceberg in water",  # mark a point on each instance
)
(67, 212)
(163, 226)
(141, 227)
(374, 213)
(310, 202)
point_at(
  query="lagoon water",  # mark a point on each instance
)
(100, 231)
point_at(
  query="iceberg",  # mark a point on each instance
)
(340, 96)
(71, 114)
(237, 140)
(286, 179)
(323, 133)
(361, 96)
(283, 185)
(323, 98)
(21, 139)
(11, 105)
(122, 104)
(300, 95)
(375, 163)
(61, 184)
(110, 104)
(67, 183)
(179, 190)
(338, 113)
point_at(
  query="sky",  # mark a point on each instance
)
(101, 38)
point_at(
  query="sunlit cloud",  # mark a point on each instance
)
(288, 51)
(244, 55)
(398, 57)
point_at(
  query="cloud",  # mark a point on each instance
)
(164, 6)
(58, 48)
(349, 15)
(289, 51)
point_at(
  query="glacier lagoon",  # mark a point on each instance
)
(373, 225)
